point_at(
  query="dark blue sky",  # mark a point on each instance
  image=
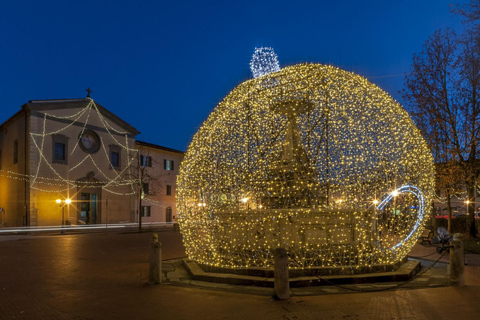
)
(163, 65)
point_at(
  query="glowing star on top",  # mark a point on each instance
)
(264, 61)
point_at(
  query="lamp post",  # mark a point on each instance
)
(63, 203)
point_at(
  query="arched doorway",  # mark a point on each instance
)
(168, 214)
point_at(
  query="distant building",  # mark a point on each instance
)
(452, 172)
(458, 204)
(76, 149)
(159, 188)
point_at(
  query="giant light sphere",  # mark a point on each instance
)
(313, 159)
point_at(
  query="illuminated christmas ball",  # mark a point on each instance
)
(310, 158)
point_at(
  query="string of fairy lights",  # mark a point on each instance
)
(264, 61)
(113, 181)
(300, 158)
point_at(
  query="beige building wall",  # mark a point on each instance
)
(157, 199)
(12, 178)
(29, 188)
(51, 181)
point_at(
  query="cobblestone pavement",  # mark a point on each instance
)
(103, 276)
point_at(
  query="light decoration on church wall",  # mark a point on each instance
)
(264, 61)
(301, 159)
(112, 181)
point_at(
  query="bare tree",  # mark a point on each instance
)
(469, 69)
(470, 12)
(431, 94)
(146, 179)
(448, 179)
(442, 91)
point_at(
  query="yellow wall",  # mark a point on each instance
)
(52, 181)
(49, 181)
(12, 186)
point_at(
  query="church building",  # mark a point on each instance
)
(74, 162)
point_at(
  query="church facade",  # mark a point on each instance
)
(75, 162)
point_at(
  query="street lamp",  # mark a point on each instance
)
(63, 203)
(467, 203)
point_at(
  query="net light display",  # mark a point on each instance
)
(313, 159)
(264, 61)
(60, 183)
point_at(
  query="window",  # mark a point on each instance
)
(115, 159)
(145, 188)
(59, 148)
(15, 151)
(169, 190)
(168, 214)
(59, 151)
(146, 161)
(168, 165)
(146, 211)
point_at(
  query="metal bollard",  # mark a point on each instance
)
(282, 285)
(457, 261)
(155, 272)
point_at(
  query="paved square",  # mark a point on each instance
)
(104, 276)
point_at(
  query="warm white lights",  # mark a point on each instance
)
(53, 180)
(66, 201)
(315, 146)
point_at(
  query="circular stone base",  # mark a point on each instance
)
(405, 271)
(300, 272)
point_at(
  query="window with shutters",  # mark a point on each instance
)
(146, 211)
(168, 165)
(145, 188)
(145, 161)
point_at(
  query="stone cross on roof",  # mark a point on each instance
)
(88, 92)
